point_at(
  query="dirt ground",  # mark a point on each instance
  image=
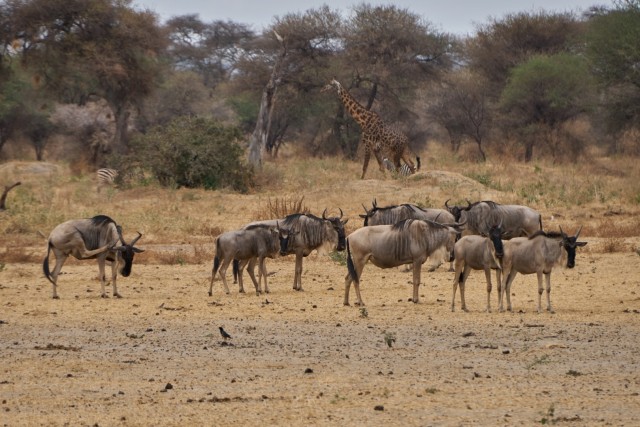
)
(155, 357)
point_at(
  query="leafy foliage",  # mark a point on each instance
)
(192, 152)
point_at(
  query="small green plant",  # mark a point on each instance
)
(337, 398)
(338, 257)
(2, 266)
(389, 338)
(539, 361)
(363, 311)
(573, 373)
(548, 418)
(431, 390)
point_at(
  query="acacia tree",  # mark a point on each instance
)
(213, 50)
(613, 47)
(294, 50)
(100, 48)
(544, 93)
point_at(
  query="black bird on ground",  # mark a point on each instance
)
(224, 333)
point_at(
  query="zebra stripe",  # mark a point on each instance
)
(404, 170)
(106, 177)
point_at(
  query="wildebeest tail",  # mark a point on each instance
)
(417, 163)
(216, 259)
(235, 268)
(540, 220)
(350, 267)
(45, 263)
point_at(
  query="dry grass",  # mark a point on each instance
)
(602, 194)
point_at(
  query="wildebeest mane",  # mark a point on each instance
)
(549, 234)
(257, 226)
(97, 234)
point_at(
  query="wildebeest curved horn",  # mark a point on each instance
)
(469, 205)
(562, 232)
(578, 233)
(341, 214)
(446, 203)
(437, 216)
(375, 203)
(324, 213)
(365, 209)
(136, 239)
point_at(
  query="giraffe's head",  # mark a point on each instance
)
(333, 84)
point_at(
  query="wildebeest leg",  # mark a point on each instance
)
(463, 281)
(263, 272)
(548, 278)
(114, 275)
(540, 291)
(101, 262)
(499, 283)
(241, 266)
(297, 277)
(507, 288)
(347, 285)
(252, 274)
(223, 271)
(416, 281)
(61, 257)
(487, 274)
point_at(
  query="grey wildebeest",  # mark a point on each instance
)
(474, 252)
(308, 233)
(517, 220)
(410, 241)
(390, 215)
(88, 239)
(538, 253)
(248, 245)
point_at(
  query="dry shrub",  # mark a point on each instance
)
(613, 229)
(281, 207)
(614, 244)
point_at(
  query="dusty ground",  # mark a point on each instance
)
(155, 357)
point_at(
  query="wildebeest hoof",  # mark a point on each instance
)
(210, 294)
(117, 295)
(104, 296)
(56, 297)
(241, 291)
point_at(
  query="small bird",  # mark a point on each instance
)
(224, 334)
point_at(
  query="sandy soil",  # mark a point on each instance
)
(155, 357)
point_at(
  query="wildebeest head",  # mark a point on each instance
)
(570, 244)
(496, 234)
(127, 251)
(284, 236)
(338, 226)
(456, 210)
(369, 213)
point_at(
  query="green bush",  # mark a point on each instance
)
(193, 152)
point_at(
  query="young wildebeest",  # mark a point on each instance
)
(255, 242)
(517, 220)
(538, 254)
(475, 252)
(390, 215)
(87, 239)
(410, 241)
(308, 232)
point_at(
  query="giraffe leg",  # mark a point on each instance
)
(367, 156)
(378, 155)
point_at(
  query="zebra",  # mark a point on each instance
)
(404, 170)
(106, 177)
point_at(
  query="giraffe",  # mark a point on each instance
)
(377, 136)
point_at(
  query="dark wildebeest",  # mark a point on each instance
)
(247, 245)
(517, 220)
(308, 232)
(390, 215)
(410, 241)
(538, 253)
(475, 252)
(88, 239)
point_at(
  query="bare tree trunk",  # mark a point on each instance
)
(258, 140)
(3, 198)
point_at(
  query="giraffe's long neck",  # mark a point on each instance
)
(357, 111)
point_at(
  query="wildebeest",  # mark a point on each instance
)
(88, 239)
(538, 253)
(410, 241)
(255, 242)
(475, 252)
(308, 232)
(517, 220)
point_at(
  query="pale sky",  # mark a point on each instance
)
(452, 16)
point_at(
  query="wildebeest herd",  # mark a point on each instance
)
(479, 236)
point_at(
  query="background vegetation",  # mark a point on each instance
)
(103, 83)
